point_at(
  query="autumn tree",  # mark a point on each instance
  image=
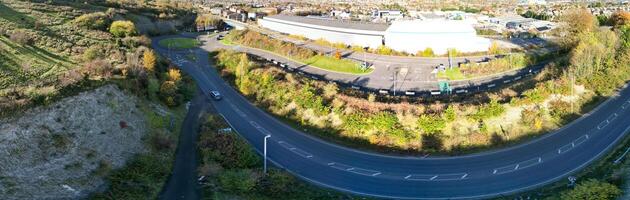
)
(337, 55)
(574, 23)
(149, 60)
(241, 72)
(620, 18)
(122, 28)
(174, 75)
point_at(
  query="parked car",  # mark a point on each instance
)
(215, 95)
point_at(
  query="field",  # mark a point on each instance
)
(21, 65)
(179, 43)
(335, 65)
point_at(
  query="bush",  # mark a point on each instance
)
(431, 124)
(122, 29)
(237, 181)
(493, 109)
(92, 53)
(228, 150)
(277, 184)
(21, 37)
(592, 190)
(96, 21)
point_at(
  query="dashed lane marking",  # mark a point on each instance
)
(434, 177)
(238, 111)
(365, 172)
(603, 124)
(254, 124)
(295, 150)
(565, 148)
(580, 140)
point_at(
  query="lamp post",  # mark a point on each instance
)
(265, 155)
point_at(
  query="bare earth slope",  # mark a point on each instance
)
(63, 151)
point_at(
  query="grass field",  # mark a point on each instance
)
(179, 43)
(337, 65)
(20, 65)
(452, 74)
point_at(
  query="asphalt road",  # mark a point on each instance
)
(182, 183)
(533, 164)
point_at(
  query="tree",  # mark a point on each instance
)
(384, 50)
(149, 60)
(592, 190)
(620, 18)
(337, 55)
(574, 23)
(174, 75)
(428, 52)
(96, 21)
(122, 28)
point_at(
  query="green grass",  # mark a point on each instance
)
(179, 43)
(452, 74)
(21, 65)
(226, 41)
(336, 65)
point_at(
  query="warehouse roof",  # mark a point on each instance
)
(332, 22)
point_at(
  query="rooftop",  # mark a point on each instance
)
(320, 21)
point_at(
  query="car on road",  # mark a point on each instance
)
(215, 95)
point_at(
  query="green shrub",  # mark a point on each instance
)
(592, 190)
(92, 53)
(237, 181)
(493, 109)
(95, 21)
(228, 150)
(431, 124)
(277, 184)
(122, 29)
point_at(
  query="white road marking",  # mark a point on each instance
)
(580, 140)
(254, 124)
(603, 124)
(491, 85)
(433, 177)
(464, 176)
(506, 81)
(407, 177)
(565, 148)
(517, 78)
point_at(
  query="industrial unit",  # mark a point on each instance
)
(402, 35)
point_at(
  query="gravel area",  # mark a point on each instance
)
(63, 151)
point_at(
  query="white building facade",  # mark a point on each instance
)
(440, 35)
(409, 36)
(336, 34)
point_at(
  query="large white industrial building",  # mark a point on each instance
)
(402, 35)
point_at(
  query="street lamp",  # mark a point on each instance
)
(265, 155)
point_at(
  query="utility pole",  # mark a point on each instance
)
(265, 155)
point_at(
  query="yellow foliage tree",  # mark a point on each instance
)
(149, 60)
(174, 75)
